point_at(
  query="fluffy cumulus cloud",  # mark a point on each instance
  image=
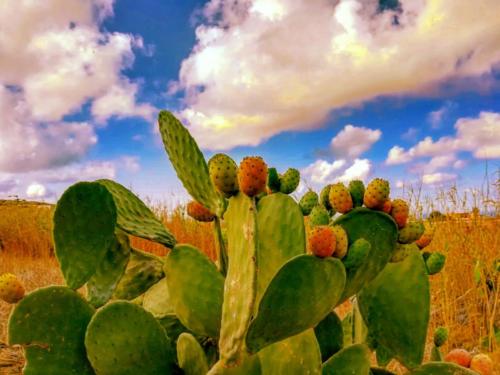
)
(353, 141)
(55, 59)
(260, 67)
(322, 172)
(36, 190)
(480, 136)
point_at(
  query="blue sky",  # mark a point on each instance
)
(337, 91)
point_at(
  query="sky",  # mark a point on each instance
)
(406, 90)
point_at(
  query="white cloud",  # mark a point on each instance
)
(259, 68)
(321, 171)
(436, 117)
(438, 178)
(88, 171)
(55, 59)
(36, 190)
(353, 141)
(434, 164)
(479, 136)
(359, 170)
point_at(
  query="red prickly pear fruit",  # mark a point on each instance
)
(252, 175)
(199, 212)
(482, 364)
(11, 288)
(322, 241)
(400, 212)
(387, 206)
(341, 242)
(223, 173)
(425, 239)
(459, 356)
(340, 198)
(376, 193)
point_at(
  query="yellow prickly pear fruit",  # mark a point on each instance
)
(376, 193)
(340, 198)
(11, 288)
(342, 242)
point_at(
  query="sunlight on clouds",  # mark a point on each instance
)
(272, 10)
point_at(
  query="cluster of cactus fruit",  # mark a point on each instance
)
(264, 306)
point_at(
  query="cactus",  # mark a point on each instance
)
(263, 306)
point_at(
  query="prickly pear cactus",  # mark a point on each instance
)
(264, 306)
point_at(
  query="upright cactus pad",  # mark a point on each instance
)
(122, 338)
(157, 300)
(196, 289)
(84, 227)
(317, 283)
(354, 359)
(330, 335)
(190, 355)
(441, 368)
(357, 190)
(50, 324)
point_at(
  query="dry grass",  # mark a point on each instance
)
(469, 305)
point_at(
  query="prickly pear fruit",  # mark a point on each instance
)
(252, 175)
(411, 232)
(376, 193)
(340, 198)
(342, 241)
(459, 356)
(224, 174)
(273, 180)
(357, 253)
(426, 255)
(440, 336)
(400, 212)
(482, 364)
(435, 263)
(357, 190)
(324, 197)
(322, 241)
(425, 239)
(199, 212)
(11, 288)
(308, 201)
(319, 216)
(387, 206)
(289, 181)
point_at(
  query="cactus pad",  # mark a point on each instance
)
(143, 271)
(190, 355)
(134, 217)
(157, 300)
(84, 226)
(381, 231)
(354, 359)
(316, 283)
(330, 335)
(196, 289)
(189, 163)
(122, 338)
(102, 284)
(395, 307)
(50, 323)
(441, 368)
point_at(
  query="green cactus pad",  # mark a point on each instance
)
(134, 217)
(395, 307)
(102, 284)
(324, 197)
(281, 236)
(172, 326)
(354, 359)
(189, 163)
(297, 355)
(330, 335)
(50, 323)
(402, 251)
(84, 227)
(347, 329)
(196, 289)
(381, 231)
(190, 355)
(357, 254)
(143, 271)
(248, 365)
(157, 300)
(241, 283)
(384, 356)
(357, 190)
(441, 368)
(273, 180)
(122, 338)
(380, 371)
(411, 232)
(435, 263)
(436, 355)
(316, 283)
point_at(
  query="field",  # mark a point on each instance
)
(465, 295)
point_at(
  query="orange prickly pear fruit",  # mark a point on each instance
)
(459, 356)
(322, 241)
(252, 175)
(400, 212)
(340, 198)
(425, 239)
(482, 364)
(376, 193)
(387, 206)
(11, 288)
(199, 212)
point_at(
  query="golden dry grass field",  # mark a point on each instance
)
(465, 295)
